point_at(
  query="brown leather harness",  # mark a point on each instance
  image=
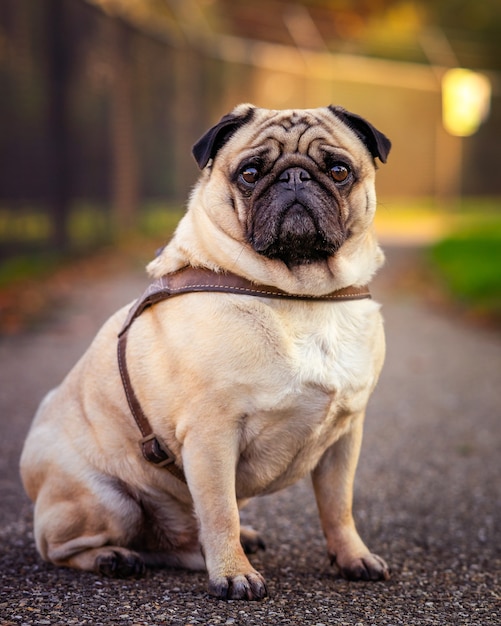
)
(189, 280)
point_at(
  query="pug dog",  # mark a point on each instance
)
(246, 389)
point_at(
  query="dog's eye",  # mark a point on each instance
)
(339, 172)
(250, 175)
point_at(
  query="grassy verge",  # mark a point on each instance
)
(468, 264)
(25, 236)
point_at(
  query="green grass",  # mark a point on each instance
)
(466, 255)
(89, 224)
(468, 261)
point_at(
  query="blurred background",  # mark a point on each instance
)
(101, 101)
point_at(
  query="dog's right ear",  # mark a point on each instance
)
(214, 139)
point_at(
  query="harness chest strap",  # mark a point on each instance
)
(189, 280)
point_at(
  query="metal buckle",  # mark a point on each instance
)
(158, 453)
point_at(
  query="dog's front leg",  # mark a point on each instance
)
(333, 483)
(210, 462)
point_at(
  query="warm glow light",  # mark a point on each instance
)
(465, 101)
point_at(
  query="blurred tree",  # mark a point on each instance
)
(125, 170)
(473, 27)
(59, 67)
(387, 28)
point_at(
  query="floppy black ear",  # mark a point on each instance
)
(378, 144)
(214, 139)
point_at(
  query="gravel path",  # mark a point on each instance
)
(428, 493)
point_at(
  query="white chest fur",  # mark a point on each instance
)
(327, 347)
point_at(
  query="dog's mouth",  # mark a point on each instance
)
(294, 236)
(296, 220)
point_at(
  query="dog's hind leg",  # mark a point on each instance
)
(111, 561)
(76, 528)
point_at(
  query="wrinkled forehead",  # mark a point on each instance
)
(305, 132)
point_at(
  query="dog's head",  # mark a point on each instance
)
(295, 176)
(292, 187)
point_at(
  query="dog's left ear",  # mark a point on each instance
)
(214, 139)
(378, 144)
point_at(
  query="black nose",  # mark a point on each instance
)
(294, 177)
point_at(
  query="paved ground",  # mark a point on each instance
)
(428, 494)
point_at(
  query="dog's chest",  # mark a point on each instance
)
(306, 395)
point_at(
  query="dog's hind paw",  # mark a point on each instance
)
(119, 563)
(251, 540)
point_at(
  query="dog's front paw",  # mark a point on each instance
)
(119, 563)
(368, 567)
(241, 587)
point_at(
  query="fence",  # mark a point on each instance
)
(95, 110)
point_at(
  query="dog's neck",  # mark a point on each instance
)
(356, 266)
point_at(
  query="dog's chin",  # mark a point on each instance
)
(296, 240)
(294, 252)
